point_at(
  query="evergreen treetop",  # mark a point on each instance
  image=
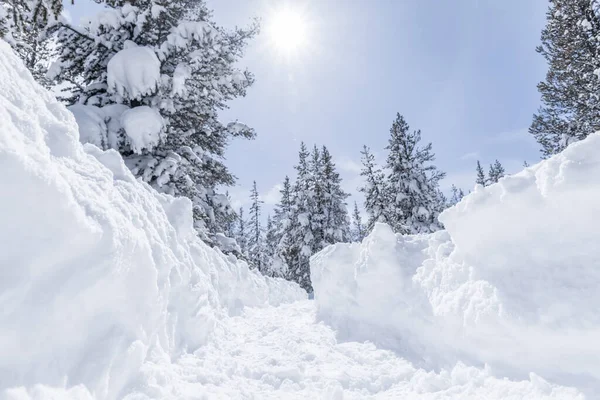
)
(570, 108)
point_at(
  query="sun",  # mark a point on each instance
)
(287, 30)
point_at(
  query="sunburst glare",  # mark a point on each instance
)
(287, 30)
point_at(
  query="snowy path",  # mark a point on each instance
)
(281, 353)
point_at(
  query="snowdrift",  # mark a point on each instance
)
(99, 274)
(513, 281)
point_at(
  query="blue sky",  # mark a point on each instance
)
(464, 72)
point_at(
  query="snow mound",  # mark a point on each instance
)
(513, 282)
(134, 72)
(143, 126)
(99, 274)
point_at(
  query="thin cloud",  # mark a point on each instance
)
(474, 155)
(273, 195)
(517, 135)
(349, 165)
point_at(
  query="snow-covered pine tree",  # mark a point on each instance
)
(413, 181)
(230, 226)
(25, 25)
(242, 234)
(19, 17)
(456, 197)
(152, 78)
(301, 235)
(255, 243)
(335, 221)
(270, 249)
(284, 250)
(375, 190)
(481, 179)
(318, 203)
(359, 230)
(496, 172)
(571, 90)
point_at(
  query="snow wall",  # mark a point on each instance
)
(514, 280)
(98, 272)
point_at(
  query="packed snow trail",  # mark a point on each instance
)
(283, 353)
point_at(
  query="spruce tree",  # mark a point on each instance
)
(335, 223)
(375, 190)
(302, 238)
(318, 203)
(358, 227)
(570, 108)
(457, 195)
(481, 180)
(20, 18)
(172, 63)
(255, 233)
(26, 26)
(270, 250)
(413, 181)
(285, 251)
(242, 234)
(496, 172)
(230, 226)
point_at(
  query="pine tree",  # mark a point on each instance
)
(242, 234)
(285, 251)
(26, 26)
(19, 18)
(525, 164)
(317, 205)
(311, 215)
(230, 226)
(413, 180)
(188, 68)
(496, 172)
(375, 190)
(270, 249)
(481, 180)
(335, 223)
(255, 233)
(359, 229)
(302, 238)
(457, 195)
(571, 90)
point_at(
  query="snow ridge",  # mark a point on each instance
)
(99, 272)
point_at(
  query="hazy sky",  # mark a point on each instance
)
(463, 71)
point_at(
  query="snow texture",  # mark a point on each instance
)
(513, 282)
(107, 293)
(102, 126)
(143, 126)
(134, 72)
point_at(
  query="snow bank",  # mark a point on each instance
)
(99, 274)
(513, 282)
(134, 72)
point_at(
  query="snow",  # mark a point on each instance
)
(99, 274)
(107, 293)
(134, 72)
(182, 35)
(92, 127)
(180, 75)
(513, 282)
(143, 126)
